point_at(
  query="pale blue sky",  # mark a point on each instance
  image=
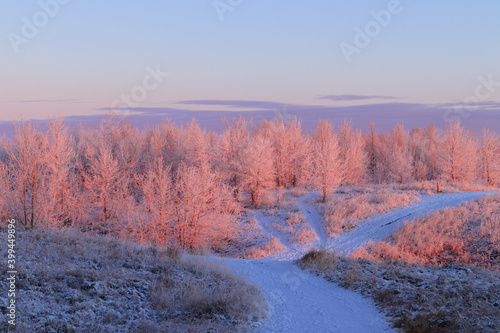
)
(287, 51)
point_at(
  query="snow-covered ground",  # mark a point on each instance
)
(379, 227)
(301, 302)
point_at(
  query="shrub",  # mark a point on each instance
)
(295, 218)
(273, 247)
(320, 260)
(305, 235)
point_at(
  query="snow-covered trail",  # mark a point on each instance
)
(379, 227)
(313, 217)
(301, 302)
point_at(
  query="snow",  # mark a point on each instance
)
(301, 302)
(312, 215)
(379, 227)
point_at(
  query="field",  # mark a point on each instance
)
(73, 282)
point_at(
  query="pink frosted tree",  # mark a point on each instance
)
(489, 158)
(102, 180)
(289, 150)
(326, 172)
(458, 159)
(354, 159)
(398, 156)
(61, 183)
(27, 168)
(204, 209)
(157, 205)
(198, 146)
(233, 142)
(258, 168)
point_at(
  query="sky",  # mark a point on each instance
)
(84, 58)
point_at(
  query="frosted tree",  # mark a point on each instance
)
(164, 141)
(102, 181)
(6, 202)
(61, 181)
(371, 151)
(433, 147)
(489, 154)
(27, 160)
(326, 171)
(158, 194)
(233, 142)
(198, 150)
(289, 150)
(398, 156)
(418, 154)
(204, 209)
(352, 154)
(458, 157)
(258, 168)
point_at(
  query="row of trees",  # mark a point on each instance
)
(184, 185)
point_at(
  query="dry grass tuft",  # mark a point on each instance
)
(321, 260)
(73, 282)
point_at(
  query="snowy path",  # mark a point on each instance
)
(301, 302)
(313, 217)
(381, 226)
